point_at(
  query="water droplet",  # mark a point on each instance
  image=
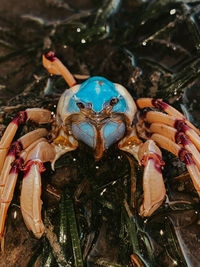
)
(172, 11)
(78, 29)
(83, 41)
(103, 191)
(161, 232)
(15, 215)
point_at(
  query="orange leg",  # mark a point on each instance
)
(55, 66)
(159, 104)
(15, 150)
(184, 156)
(167, 130)
(177, 137)
(181, 126)
(38, 115)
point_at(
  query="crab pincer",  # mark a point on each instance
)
(30, 201)
(149, 155)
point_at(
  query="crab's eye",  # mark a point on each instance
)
(114, 101)
(80, 105)
(89, 105)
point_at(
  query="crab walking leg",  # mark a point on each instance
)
(184, 156)
(149, 155)
(159, 117)
(158, 103)
(177, 137)
(36, 114)
(30, 201)
(55, 66)
(7, 195)
(10, 182)
(15, 149)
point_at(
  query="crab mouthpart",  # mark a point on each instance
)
(99, 148)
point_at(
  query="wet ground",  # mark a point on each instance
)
(152, 48)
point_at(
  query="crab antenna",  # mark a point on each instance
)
(55, 66)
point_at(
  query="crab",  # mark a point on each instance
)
(98, 113)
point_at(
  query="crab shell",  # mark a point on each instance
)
(97, 112)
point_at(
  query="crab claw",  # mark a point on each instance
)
(149, 155)
(153, 185)
(30, 201)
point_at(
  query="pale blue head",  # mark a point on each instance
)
(97, 99)
(97, 92)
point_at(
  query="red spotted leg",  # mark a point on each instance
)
(36, 114)
(180, 125)
(159, 104)
(55, 66)
(15, 149)
(175, 136)
(178, 131)
(149, 155)
(184, 155)
(10, 181)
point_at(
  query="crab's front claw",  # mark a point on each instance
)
(30, 201)
(149, 155)
(153, 185)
